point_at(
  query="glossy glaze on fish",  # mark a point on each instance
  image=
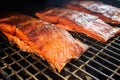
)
(107, 13)
(81, 22)
(53, 44)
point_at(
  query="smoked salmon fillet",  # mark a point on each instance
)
(81, 22)
(107, 13)
(51, 43)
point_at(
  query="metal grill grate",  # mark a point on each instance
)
(100, 61)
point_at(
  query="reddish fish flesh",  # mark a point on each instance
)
(81, 22)
(33, 35)
(107, 13)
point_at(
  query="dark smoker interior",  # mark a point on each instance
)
(31, 6)
(100, 62)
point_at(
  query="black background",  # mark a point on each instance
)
(31, 6)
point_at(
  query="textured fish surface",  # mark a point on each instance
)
(107, 13)
(51, 43)
(81, 22)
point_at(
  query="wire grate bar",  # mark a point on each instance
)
(107, 54)
(103, 66)
(80, 68)
(73, 74)
(104, 59)
(115, 72)
(97, 70)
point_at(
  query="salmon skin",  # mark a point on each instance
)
(81, 22)
(107, 13)
(33, 35)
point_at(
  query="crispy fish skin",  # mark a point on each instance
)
(81, 22)
(53, 44)
(107, 13)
